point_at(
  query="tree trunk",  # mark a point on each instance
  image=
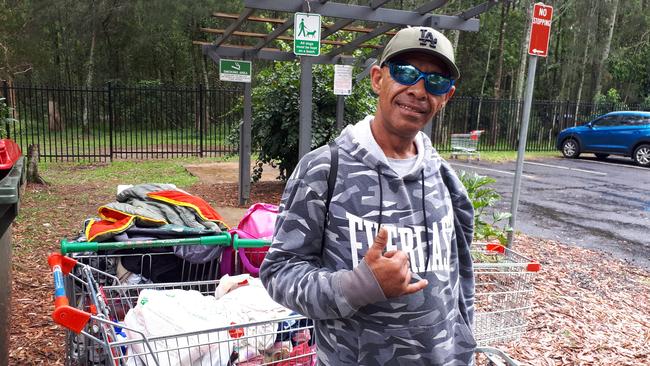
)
(480, 101)
(53, 117)
(206, 80)
(590, 34)
(494, 123)
(505, 9)
(32, 166)
(89, 80)
(455, 36)
(566, 66)
(606, 47)
(521, 73)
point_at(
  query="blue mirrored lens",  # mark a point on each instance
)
(437, 84)
(406, 74)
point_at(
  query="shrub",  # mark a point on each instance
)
(5, 118)
(276, 110)
(483, 200)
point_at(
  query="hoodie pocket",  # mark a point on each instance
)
(447, 342)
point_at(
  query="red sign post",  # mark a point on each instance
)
(540, 30)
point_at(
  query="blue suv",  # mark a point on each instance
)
(618, 133)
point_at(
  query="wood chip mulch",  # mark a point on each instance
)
(589, 309)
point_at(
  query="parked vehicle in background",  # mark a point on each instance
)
(624, 133)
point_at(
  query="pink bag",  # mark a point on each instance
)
(258, 223)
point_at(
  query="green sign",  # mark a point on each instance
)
(235, 70)
(306, 34)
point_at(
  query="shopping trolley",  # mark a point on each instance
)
(101, 300)
(465, 144)
(103, 261)
(107, 343)
(504, 292)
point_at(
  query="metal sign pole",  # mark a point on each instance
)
(304, 129)
(245, 146)
(523, 133)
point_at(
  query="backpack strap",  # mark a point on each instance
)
(331, 178)
(331, 182)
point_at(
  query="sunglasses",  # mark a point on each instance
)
(407, 74)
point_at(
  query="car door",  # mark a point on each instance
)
(597, 136)
(622, 133)
(641, 132)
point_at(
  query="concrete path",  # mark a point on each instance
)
(226, 172)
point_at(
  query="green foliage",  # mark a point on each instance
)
(276, 100)
(646, 101)
(483, 200)
(5, 117)
(612, 96)
(609, 102)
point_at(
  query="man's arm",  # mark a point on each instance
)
(464, 228)
(292, 271)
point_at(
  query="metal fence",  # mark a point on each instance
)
(499, 119)
(75, 123)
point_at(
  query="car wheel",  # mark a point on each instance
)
(642, 155)
(601, 156)
(570, 148)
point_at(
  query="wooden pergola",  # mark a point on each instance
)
(345, 15)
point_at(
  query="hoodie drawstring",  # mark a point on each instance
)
(381, 198)
(424, 213)
(426, 225)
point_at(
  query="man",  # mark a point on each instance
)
(387, 276)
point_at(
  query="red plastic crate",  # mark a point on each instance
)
(9, 153)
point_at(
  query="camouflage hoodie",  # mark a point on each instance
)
(355, 323)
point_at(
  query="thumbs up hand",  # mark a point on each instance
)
(391, 269)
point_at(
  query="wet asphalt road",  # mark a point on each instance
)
(584, 202)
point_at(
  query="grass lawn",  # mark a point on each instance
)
(503, 156)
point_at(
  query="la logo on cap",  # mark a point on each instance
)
(427, 37)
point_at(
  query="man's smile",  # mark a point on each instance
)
(412, 107)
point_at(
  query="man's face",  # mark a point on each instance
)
(404, 109)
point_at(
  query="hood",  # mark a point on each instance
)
(576, 128)
(374, 158)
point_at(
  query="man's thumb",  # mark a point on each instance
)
(381, 239)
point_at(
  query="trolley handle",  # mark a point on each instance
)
(76, 247)
(64, 314)
(238, 242)
(496, 247)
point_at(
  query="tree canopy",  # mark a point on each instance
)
(595, 47)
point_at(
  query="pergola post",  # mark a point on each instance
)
(245, 146)
(304, 130)
(340, 112)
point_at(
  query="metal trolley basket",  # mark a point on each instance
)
(465, 144)
(100, 300)
(504, 292)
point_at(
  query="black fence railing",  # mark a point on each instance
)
(114, 122)
(499, 119)
(77, 123)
